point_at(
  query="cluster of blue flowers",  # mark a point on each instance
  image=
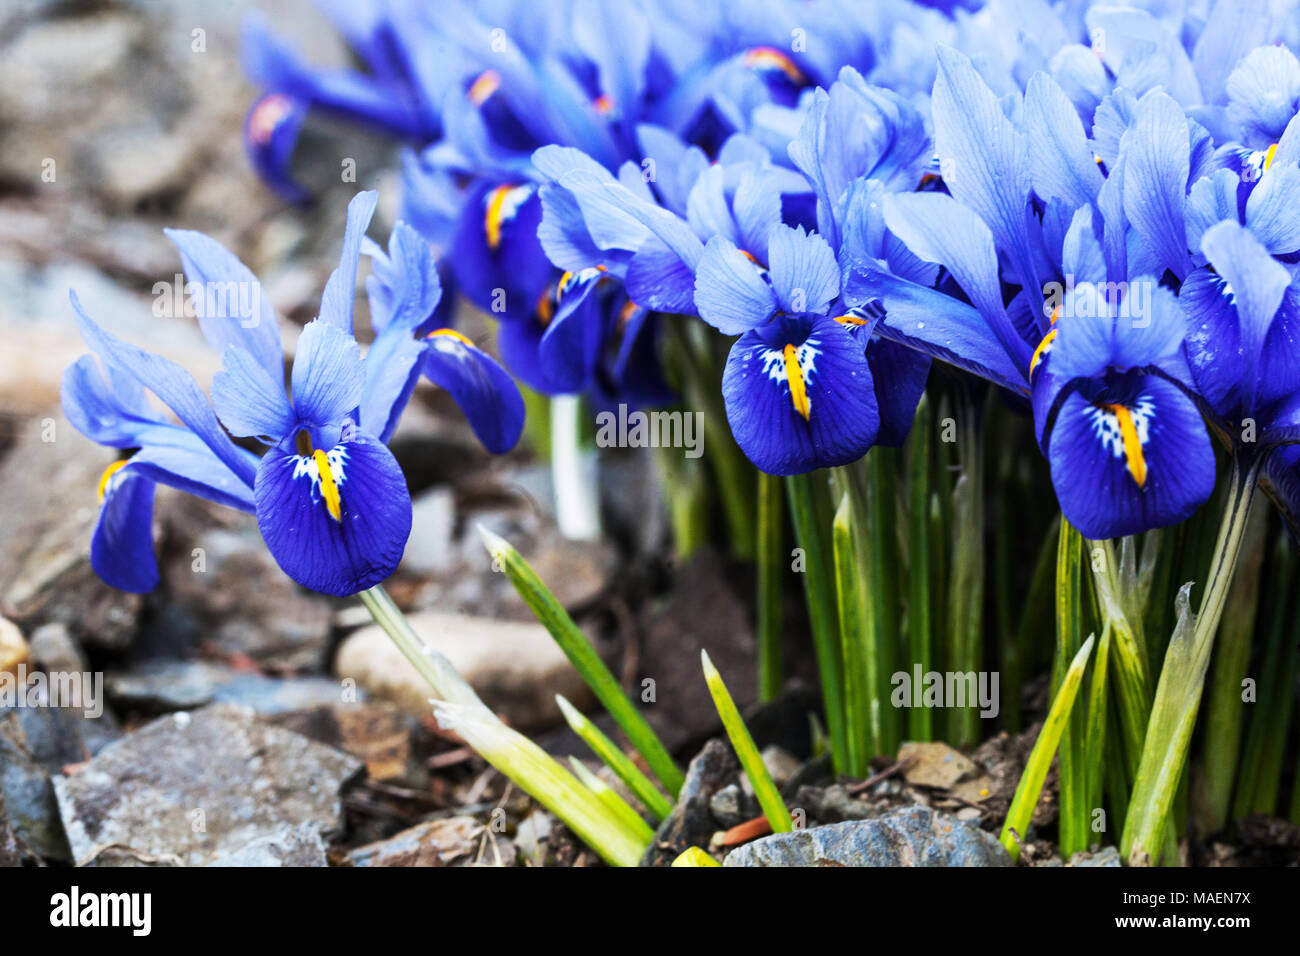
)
(1089, 205)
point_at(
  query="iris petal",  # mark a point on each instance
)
(767, 415)
(1095, 465)
(482, 388)
(121, 549)
(338, 557)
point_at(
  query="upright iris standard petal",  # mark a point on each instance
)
(341, 287)
(247, 400)
(482, 388)
(1126, 464)
(121, 549)
(328, 377)
(335, 520)
(805, 276)
(730, 292)
(799, 395)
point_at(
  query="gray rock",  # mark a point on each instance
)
(54, 650)
(192, 787)
(728, 806)
(294, 846)
(691, 823)
(453, 841)
(50, 513)
(1106, 856)
(912, 836)
(232, 596)
(165, 686)
(30, 808)
(430, 549)
(13, 851)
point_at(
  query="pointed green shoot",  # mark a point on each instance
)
(584, 658)
(615, 760)
(769, 797)
(1040, 759)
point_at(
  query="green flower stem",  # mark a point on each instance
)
(437, 671)
(966, 584)
(819, 588)
(858, 645)
(771, 564)
(1178, 694)
(919, 562)
(1030, 787)
(616, 760)
(769, 797)
(458, 708)
(584, 658)
(1261, 764)
(1073, 764)
(1222, 739)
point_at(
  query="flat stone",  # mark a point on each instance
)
(451, 841)
(194, 787)
(13, 851)
(912, 836)
(294, 846)
(162, 686)
(935, 764)
(516, 667)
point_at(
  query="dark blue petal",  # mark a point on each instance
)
(899, 374)
(484, 391)
(767, 417)
(497, 260)
(571, 345)
(271, 131)
(121, 549)
(339, 556)
(1091, 468)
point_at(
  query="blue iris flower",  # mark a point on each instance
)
(330, 499)
(1104, 364)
